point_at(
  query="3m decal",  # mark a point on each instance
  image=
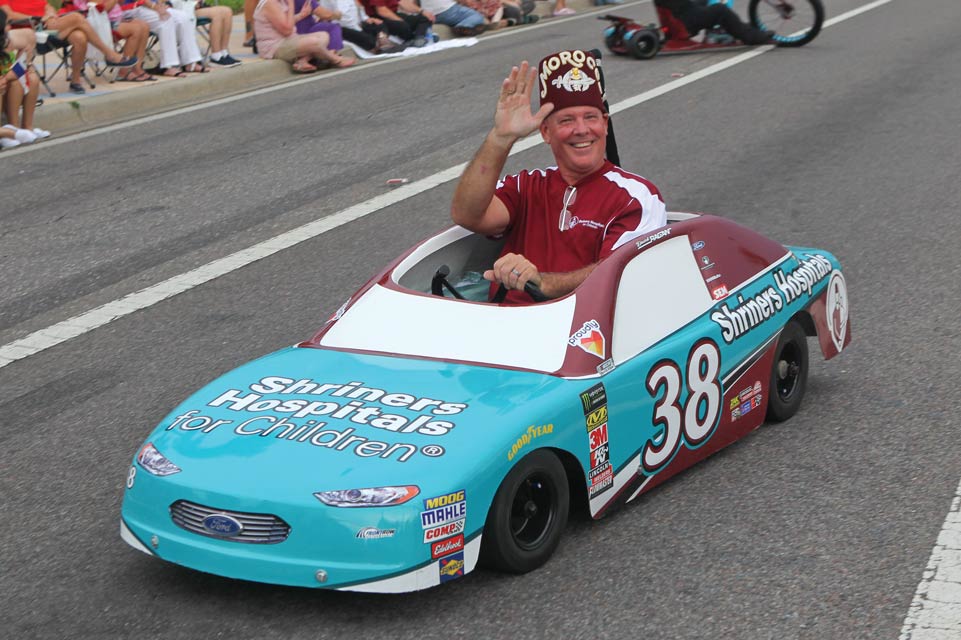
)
(446, 546)
(590, 339)
(594, 398)
(444, 531)
(598, 436)
(451, 567)
(693, 420)
(836, 308)
(526, 437)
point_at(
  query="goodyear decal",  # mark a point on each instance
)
(526, 437)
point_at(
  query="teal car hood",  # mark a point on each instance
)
(317, 419)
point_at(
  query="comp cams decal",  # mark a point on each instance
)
(690, 420)
(752, 311)
(600, 476)
(347, 406)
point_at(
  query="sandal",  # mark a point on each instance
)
(140, 77)
(196, 68)
(123, 62)
(177, 73)
(303, 67)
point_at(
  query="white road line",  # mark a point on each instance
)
(100, 316)
(935, 612)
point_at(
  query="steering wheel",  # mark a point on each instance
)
(529, 287)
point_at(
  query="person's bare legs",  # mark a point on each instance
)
(22, 40)
(314, 45)
(78, 54)
(15, 99)
(249, 6)
(71, 23)
(135, 34)
(221, 22)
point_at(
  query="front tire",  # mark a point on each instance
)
(789, 373)
(644, 44)
(794, 23)
(528, 515)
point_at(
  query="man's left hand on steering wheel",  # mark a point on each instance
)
(513, 271)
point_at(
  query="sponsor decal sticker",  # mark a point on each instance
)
(756, 401)
(445, 500)
(441, 515)
(719, 292)
(606, 366)
(836, 308)
(526, 437)
(735, 401)
(589, 338)
(601, 479)
(594, 398)
(446, 546)
(653, 238)
(749, 313)
(697, 246)
(451, 567)
(596, 418)
(444, 531)
(373, 533)
(713, 278)
(599, 455)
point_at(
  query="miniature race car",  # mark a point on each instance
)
(794, 22)
(418, 433)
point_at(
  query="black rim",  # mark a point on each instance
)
(788, 371)
(532, 511)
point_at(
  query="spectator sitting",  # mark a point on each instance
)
(358, 28)
(14, 97)
(274, 22)
(175, 31)
(221, 22)
(519, 12)
(491, 10)
(320, 19)
(73, 29)
(404, 19)
(463, 20)
(134, 33)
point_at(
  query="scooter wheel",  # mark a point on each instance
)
(614, 42)
(644, 44)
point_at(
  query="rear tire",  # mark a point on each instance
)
(528, 515)
(795, 22)
(789, 373)
(644, 44)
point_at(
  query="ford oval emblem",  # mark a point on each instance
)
(697, 246)
(220, 524)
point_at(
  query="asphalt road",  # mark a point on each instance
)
(817, 528)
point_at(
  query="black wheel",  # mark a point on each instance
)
(526, 520)
(789, 373)
(794, 22)
(644, 44)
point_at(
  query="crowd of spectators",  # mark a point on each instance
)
(307, 33)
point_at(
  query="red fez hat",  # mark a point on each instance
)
(570, 79)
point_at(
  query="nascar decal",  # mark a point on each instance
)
(526, 437)
(451, 567)
(600, 477)
(690, 420)
(752, 311)
(589, 338)
(837, 309)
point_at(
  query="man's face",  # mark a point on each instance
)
(578, 137)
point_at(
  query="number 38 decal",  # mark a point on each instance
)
(696, 417)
